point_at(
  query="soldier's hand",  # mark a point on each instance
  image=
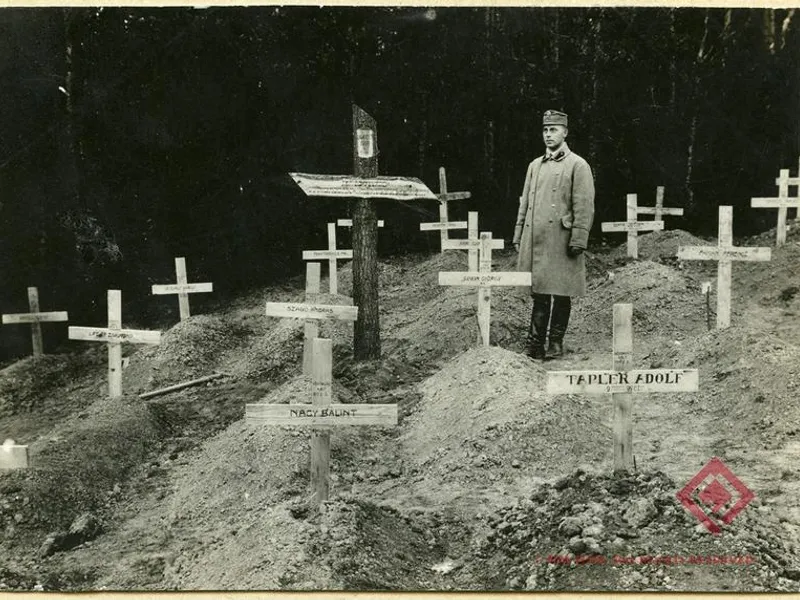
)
(574, 251)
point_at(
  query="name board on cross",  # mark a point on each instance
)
(183, 288)
(473, 243)
(622, 381)
(322, 415)
(114, 335)
(632, 226)
(485, 280)
(349, 222)
(783, 203)
(35, 318)
(724, 253)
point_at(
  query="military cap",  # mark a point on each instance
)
(554, 117)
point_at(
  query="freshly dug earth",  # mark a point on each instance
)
(487, 482)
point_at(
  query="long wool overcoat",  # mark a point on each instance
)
(556, 210)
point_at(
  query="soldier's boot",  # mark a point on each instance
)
(562, 306)
(540, 316)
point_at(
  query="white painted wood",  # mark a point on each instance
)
(299, 310)
(35, 318)
(632, 226)
(473, 279)
(13, 456)
(42, 317)
(182, 288)
(327, 254)
(100, 334)
(329, 415)
(439, 226)
(310, 327)
(349, 186)
(783, 203)
(349, 222)
(659, 210)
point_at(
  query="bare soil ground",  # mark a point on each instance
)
(486, 483)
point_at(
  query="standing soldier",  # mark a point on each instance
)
(556, 210)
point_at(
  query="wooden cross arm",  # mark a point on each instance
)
(177, 288)
(439, 225)
(470, 244)
(41, 317)
(626, 382)
(652, 210)
(299, 310)
(472, 279)
(632, 226)
(349, 222)
(775, 202)
(317, 254)
(729, 253)
(310, 415)
(98, 334)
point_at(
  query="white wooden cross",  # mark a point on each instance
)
(473, 243)
(311, 311)
(332, 254)
(182, 288)
(13, 456)
(484, 280)
(443, 225)
(35, 318)
(659, 209)
(633, 227)
(349, 222)
(725, 252)
(114, 335)
(322, 415)
(783, 202)
(622, 381)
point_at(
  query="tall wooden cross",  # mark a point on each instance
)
(322, 415)
(632, 226)
(622, 381)
(365, 186)
(444, 197)
(783, 203)
(183, 288)
(13, 456)
(114, 335)
(659, 210)
(472, 244)
(311, 312)
(333, 255)
(724, 253)
(485, 280)
(35, 318)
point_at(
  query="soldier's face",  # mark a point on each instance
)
(554, 136)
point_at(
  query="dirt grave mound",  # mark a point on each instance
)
(604, 532)
(484, 417)
(659, 246)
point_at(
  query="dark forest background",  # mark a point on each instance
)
(131, 136)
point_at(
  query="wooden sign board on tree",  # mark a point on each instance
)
(13, 456)
(622, 382)
(183, 288)
(114, 335)
(322, 415)
(724, 253)
(35, 318)
(783, 203)
(632, 226)
(347, 186)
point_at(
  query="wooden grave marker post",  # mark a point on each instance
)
(659, 210)
(183, 288)
(783, 203)
(444, 197)
(35, 318)
(724, 253)
(13, 456)
(114, 335)
(322, 415)
(484, 280)
(364, 187)
(311, 311)
(632, 226)
(333, 255)
(472, 244)
(622, 381)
